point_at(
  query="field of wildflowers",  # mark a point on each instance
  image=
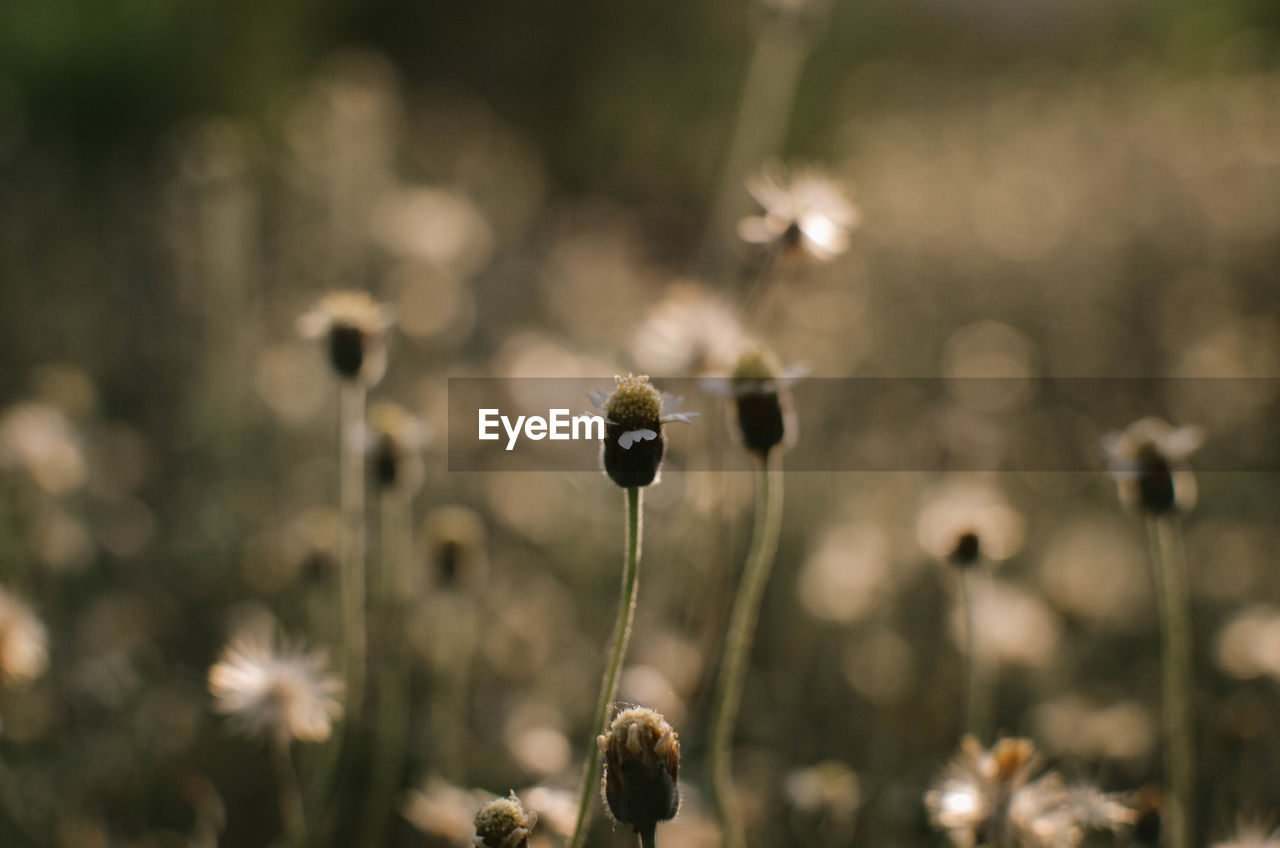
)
(937, 352)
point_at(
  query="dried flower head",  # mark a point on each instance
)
(354, 326)
(1148, 461)
(805, 214)
(999, 797)
(633, 441)
(641, 769)
(504, 823)
(395, 438)
(964, 524)
(762, 405)
(269, 691)
(455, 537)
(24, 651)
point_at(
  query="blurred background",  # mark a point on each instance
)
(551, 189)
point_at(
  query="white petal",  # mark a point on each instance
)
(670, 402)
(629, 438)
(682, 417)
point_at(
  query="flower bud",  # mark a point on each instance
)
(455, 537)
(1148, 461)
(395, 441)
(761, 404)
(504, 823)
(352, 325)
(641, 767)
(633, 440)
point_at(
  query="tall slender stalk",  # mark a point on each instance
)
(978, 674)
(648, 836)
(292, 820)
(609, 684)
(351, 497)
(768, 91)
(391, 703)
(737, 649)
(1168, 563)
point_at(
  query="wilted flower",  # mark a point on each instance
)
(804, 213)
(689, 332)
(762, 404)
(395, 439)
(641, 769)
(1148, 461)
(504, 823)
(633, 440)
(999, 797)
(24, 651)
(271, 691)
(455, 544)
(354, 325)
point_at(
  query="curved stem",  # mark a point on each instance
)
(609, 685)
(737, 650)
(1164, 537)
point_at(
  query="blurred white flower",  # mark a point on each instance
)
(804, 212)
(270, 691)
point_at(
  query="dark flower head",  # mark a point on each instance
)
(395, 440)
(762, 404)
(354, 325)
(633, 441)
(1148, 461)
(641, 769)
(455, 537)
(504, 823)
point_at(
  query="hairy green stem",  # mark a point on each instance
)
(737, 650)
(1164, 537)
(609, 685)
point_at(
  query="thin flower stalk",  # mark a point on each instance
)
(1164, 537)
(738, 641)
(292, 818)
(392, 695)
(351, 499)
(621, 636)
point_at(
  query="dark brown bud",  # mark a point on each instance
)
(762, 405)
(967, 550)
(504, 823)
(641, 769)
